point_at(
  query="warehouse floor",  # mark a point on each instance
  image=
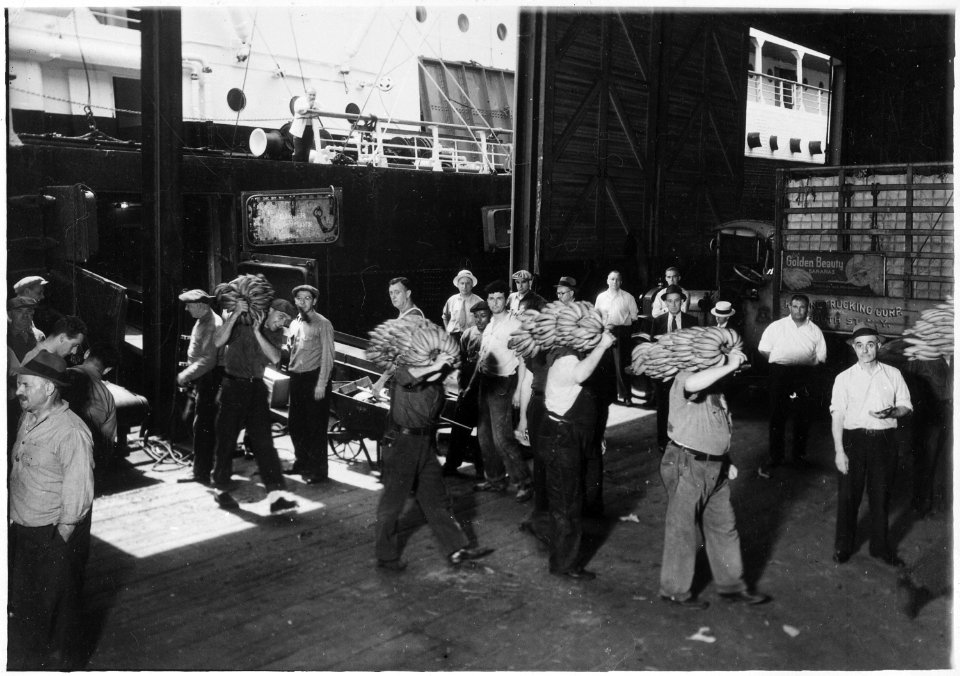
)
(176, 583)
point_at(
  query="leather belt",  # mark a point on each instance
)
(703, 457)
(867, 432)
(415, 431)
(230, 376)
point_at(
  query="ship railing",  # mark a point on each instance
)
(782, 93)
(411, 144)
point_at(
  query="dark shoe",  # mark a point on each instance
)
(890, 559)
(226, 501)
(524, 493)
(192, 480)
(491, 486)
(841, 557)
(750, 598)
(396, 565)
(314, 479)
(692, 603)
(293, 469)
(911, 598)
(282, 505)
(468, 554)
(578, 574)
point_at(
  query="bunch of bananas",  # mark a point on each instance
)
(931, 337)
(413, 341)
(577, 326)
(695, 349)
(255, 289)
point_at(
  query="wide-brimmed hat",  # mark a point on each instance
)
(312, 290)
(723, 309)
(568, 282)
(863, 330)
(673, 288)
(195, 296)
(464, 273)
(521, 275)
(46, 365)
(20, 301)
(29, 281)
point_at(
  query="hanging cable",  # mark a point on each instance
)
(243, 85)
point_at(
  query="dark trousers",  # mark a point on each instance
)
(410, 464)
(303, 145)
(872, 459)
(500, 448)
(593, 467)
(932, 448)
(308, 424)
(464, 447)
(565, 447)
(205, 423)
(787, 380)
(45, 586)
(663, 411)
(621, 359)
(244, 404)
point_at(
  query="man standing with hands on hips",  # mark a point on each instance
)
(867, 400)
(311, 364)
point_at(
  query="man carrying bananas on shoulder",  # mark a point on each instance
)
(567, 438)
(695, 470)
(410, 464)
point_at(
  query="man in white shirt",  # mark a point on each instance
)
(500, 373)
(619, 311)
(672, 277)
(793, 346)
(867, 400)
(457, 316)
(305, 127)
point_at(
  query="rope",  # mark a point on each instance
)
(243, 85)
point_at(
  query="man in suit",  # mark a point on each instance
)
(673, 320)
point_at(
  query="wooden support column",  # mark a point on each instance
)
(162, 155)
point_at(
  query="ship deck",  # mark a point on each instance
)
(175, 583)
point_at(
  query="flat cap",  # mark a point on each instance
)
(19, 302)
(312, 290)
(480, 307)
(861, 330)
(29, 281)
(521, 275)
(195, 296)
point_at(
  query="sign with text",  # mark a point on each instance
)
(840, 313)
(844, 273)
(275, 217)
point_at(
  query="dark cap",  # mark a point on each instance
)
(306, 287)
(20, 301)
(673, 288)
(861, 330)
(568, 282)
(283, 305)
(195, 296)
(480, 307)
(46, 365)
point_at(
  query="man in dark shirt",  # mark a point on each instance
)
(244, 400)
(410, 464)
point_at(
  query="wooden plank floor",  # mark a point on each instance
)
(176, 583)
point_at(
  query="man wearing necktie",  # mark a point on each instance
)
(457, 317)
(673, 320)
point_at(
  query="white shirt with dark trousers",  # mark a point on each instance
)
(871, 450)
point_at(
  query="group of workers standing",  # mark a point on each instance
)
(539, 423)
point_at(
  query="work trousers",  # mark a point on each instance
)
(308, 423)
(45, 585)
(244, 404)
(565, 446)
(501, 450)
(410, 464)
(932, 448)
(303, 145)
(662, 388)
(593, 466)
(539, 520)
(789, 393)
(464, 446)
(621, 359)
(872, 456)
(698, 497)
(205, 423)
